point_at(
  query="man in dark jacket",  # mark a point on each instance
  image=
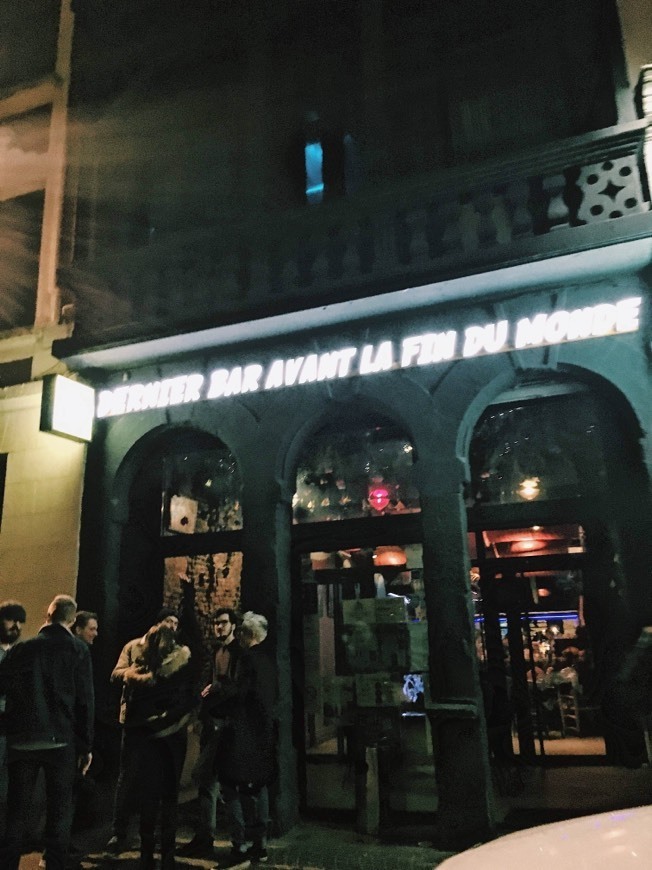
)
(246, 756)
(49, 718)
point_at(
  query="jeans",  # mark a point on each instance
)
(60, 767)
(247, 812)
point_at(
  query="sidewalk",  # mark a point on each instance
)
(548, 795)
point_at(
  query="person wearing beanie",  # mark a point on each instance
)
(123, 805)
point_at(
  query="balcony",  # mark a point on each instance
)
(570, 196)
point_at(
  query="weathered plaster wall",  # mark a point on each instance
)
(39, 535)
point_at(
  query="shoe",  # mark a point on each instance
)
(198, 847)
(235, 858)
(116, 845)
(257, 854)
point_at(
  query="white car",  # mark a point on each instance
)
(617, 840)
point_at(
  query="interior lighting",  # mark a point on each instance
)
(529, 488)
(379, 498)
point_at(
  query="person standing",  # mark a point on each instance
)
(128, 765)
(86, 626)
(12, 620)
(49, 718)
(225, 659)
(161, 694)
(246, 756)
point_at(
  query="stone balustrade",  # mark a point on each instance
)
(542, 202)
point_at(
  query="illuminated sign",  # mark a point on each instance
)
(428, 348)
(67, 408)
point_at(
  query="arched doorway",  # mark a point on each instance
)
(184, 516)
(362, 647)
(555, 475)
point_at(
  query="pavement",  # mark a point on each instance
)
(542, 795)
(306, 847)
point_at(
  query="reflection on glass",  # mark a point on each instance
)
(537, 449)
(202, 492)
(360, 470)
(216, 578)
(366, 668)
(533, 541)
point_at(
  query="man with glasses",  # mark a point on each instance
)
(225, 659)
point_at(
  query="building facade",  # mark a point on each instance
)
(368, 323)
(41, 474)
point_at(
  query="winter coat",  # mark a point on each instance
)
(160, 704)
(48, 682)
(247, 747)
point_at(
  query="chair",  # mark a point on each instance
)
(569, 709)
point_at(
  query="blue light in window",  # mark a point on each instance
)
(314, 180)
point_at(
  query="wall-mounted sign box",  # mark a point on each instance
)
(67, 408)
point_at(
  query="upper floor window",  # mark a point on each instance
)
(314, 172)
(363, 469)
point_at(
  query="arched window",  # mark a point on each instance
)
(363, 469)
(201, 492)
(185, 517)
(538, 449)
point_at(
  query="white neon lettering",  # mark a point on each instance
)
(292, 369)
(150, 395)
(275, 375)
(177, 390)
(217, 384)
(120, 400)
(411, 347)
(135, 400)
(347, 355)
(335, 364)
(628, 314)
(234, 382)
(580, 323)
(193, 387)
(556, 328)
(251, 378)
(381, 360)
(604, 319)
(415, 350)
(444, 345)
(530, 332)
(104, 403)
(309, 370)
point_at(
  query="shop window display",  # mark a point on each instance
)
(364, 469)
(366, 675)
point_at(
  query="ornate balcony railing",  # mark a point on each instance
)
(565, 197)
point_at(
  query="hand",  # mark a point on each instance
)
(205, 691)
(84, 762)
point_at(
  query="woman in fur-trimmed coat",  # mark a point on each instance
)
(161, 692)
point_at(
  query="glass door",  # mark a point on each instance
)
(536, 656)
(368, 746)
